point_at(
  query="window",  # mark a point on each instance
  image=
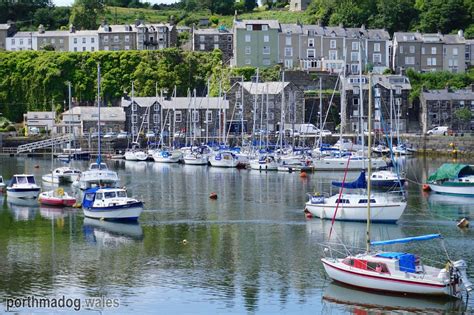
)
(61, 41)
(354, 56)
(247, 38)
(332, 54)
(249, 27)
(401, 49)
(134, 106)
(355, 45)
(134, 118)
(355, 102)
(248, 61)
(29, 41)
(202, 47)
(106, 39)
(311, 42)
(412, 49)
(116, 39)
(398, 90)
(106, 47)
(376, 47)
(178, 116)
(83, 48)
(377, 92)
(409, 60)
(21, 41)
(13, 41)
(75, 48)
(265, 27)
(289, 63)
(216, 46)
(229, 38)
(83, 40)
(92, 40)
(288, 51)
(248, 50)
(423, 50)
(266, 38)
(431, 61)
(433, 50)
(288, 40)
(355, 91)
(195, 116)
(208, 116)
(455, 51)
(53, 41)
(310, 53)
(332, 44)
(377, 58)
(126, 48)
(216, 38)
(266, 62)
(266, 50)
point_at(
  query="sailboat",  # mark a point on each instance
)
(98, 173)
(396, 272)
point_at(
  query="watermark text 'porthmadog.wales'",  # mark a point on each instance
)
(60, 302)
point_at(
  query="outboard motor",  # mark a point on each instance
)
(460, 266)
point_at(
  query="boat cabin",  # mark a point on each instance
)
(102, 195)
(385, 262)
(23, 180)
(96, 166)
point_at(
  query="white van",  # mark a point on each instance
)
(440, 130)
(308, 129)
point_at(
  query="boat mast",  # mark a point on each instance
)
(282, 111)
(98, 116)
(242, 111)
(320, 113)
(369, 153)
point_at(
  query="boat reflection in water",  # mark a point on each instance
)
(52, 213)
(22, 209)
(358, 301)
(111, 233)
(452, 207)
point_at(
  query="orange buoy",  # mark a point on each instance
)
(464, 223)
(303, 174)
(213, 196)
(307, 214)
(426, 187)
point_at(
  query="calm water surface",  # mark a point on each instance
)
(250, 251)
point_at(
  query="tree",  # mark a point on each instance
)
(463, 115)
(249, 5)
(443, 15)
(85, 13)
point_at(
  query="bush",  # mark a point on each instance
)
(11, 128)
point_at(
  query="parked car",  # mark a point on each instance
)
(440, 130)
(325, 133)
(95, 134)
(122, 135)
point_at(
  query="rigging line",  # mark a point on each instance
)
(330, 103)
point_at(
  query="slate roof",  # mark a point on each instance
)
(447, 95)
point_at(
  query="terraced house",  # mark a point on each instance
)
(209, 39)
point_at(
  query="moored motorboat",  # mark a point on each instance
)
(97, 175)
(2, 184)
(56, 197)
(110, 204)
(453, 179)
(386, 179)
(23, 186)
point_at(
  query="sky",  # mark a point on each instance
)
(69, 2)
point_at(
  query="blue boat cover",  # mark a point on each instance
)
(360, 182)
(407, 239)
(406, 262)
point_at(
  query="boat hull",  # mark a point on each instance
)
(264, 166)
(389, 213)
(467, 190)
(224, 163)
(387, 183)
(58, 202)
(129, 211)
(380, 282)
(23, 193)
(341, 164)
(196, 161)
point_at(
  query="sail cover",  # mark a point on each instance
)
(407, 239)
(360, 182)
(451, 171)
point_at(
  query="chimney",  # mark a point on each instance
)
(362, 27)
(137, 22)
(461, 33)
(72, 29)
(341, 25)
(41, 29)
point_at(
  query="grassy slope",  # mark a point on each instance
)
(117, 15)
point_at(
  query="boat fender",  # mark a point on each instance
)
(303, 175)
(464, 223)
(213, 195)
(184, 242)
(426, 187)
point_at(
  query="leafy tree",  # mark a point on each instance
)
(463, 115)
(249, 5)
(85, 13)
(443, 15)
(214, 20)
(394, 15)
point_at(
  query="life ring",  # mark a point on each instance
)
(60, 192)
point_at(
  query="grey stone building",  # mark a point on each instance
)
(59, 40)
(155, 36)
(438, 108)
(84, 119)
(6, 30)
(469, 53)
(428, 52)
(259, 106)
(182, 119)
(289, 43)
(299, 5)
(390, 95)
(117, 37)
(209, 39)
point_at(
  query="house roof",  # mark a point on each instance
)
(292, 28)
(179, 102)
(387, 81)
(141, 101)
(264, 87)
(211, 31)
(448, 95)
(84, 33)
(337, 30)
(271, 23)
(454, 39)
(40, 115)
(53, 34)
(317, 29)
(407, 36)
(24, 34)
(5, 26)
(91, 113)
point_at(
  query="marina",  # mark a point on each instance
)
(250, 250)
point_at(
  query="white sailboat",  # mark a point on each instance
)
(224, 158)
(396, 272)
(197, 155)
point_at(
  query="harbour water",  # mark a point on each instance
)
(250, 251)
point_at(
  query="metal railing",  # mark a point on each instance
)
(43, 143)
